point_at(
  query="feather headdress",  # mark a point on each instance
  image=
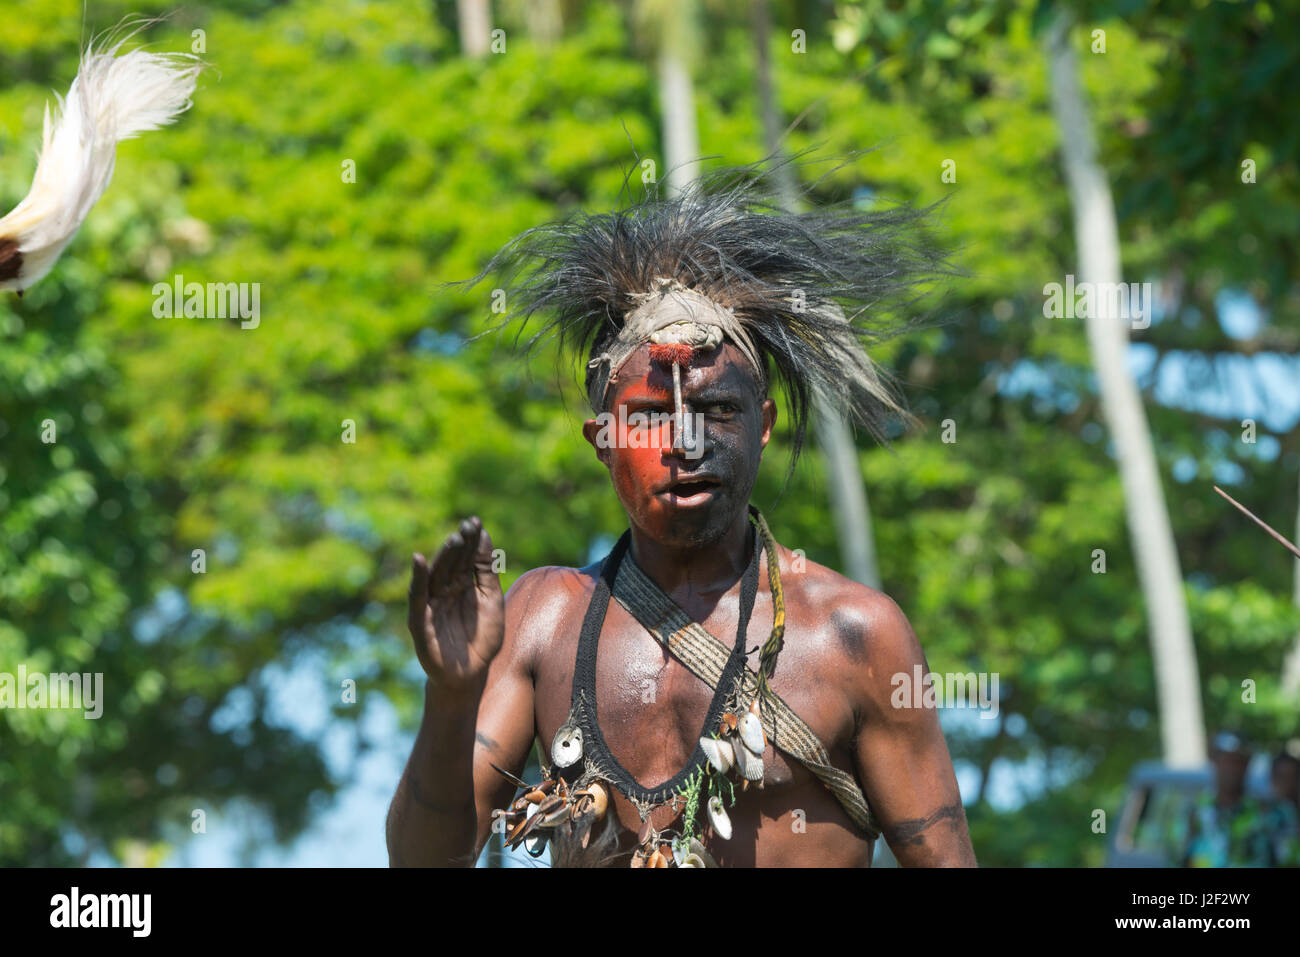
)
(808, 292)
(112, 98)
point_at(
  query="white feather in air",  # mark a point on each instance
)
(113, 98)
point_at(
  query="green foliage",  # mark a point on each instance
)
(180, 434)
(991, 561)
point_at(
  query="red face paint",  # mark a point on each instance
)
(674, 497)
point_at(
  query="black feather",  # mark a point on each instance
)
(728, 237)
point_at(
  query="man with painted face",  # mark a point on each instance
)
(733, 704)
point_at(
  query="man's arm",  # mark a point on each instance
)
(478, 704)
(441, 814)
(902, 757)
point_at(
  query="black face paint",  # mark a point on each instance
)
(691, 497)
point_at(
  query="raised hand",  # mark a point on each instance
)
(456, 610)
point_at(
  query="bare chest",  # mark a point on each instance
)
(651, 711)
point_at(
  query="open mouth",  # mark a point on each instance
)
(687, 489)
(692, 491)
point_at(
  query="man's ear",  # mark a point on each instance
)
(769, 419)
(596, 432)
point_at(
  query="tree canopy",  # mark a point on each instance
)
(348, 159)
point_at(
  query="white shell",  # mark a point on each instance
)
(566, 748)
(720, 754)
(693, 860)
(750, 764)
(535, 843)
(698, 850)
(718, 818)
(751, 733)
(681, 850)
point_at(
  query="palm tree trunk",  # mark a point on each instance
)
(681, 135)
(848, 491)
(474, 18)
(1182, 726)
(848, 495)
(1291, 667)
(544, 19)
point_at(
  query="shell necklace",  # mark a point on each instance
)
(573, 795)
(580, 739)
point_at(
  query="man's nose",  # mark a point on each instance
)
(690, 441)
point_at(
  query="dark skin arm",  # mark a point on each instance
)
(902, 757)
(478, 705)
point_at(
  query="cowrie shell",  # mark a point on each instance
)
(566, 747)
(718, 818)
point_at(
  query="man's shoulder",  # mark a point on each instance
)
(866, 639)
(545, 578)
(851, 604)
(543, 603)
(548, 586)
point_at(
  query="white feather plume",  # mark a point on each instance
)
(112, 98)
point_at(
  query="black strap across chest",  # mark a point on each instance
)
(583, 699)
